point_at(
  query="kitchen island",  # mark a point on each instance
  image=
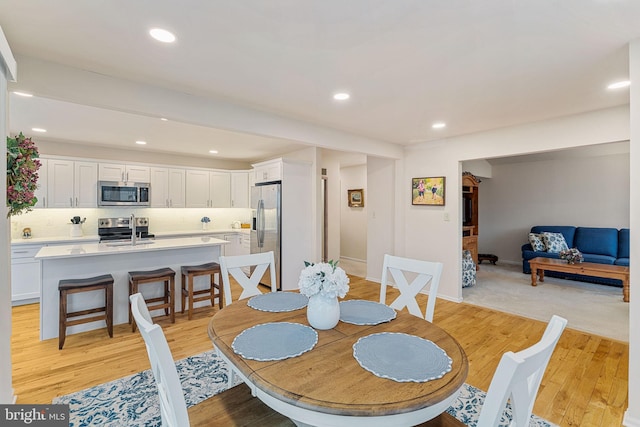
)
(115, 258)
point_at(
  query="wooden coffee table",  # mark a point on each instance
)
(540, 264)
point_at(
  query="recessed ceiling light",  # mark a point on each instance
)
(162, 35)
(38, 130)
(342, 96)
(25, 94)
(141, 142)
(619, 85)
(164, 119)
(438, 125)
(213, 151)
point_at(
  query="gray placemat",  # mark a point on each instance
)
(362, 312)
(274, 341)
(401, 357)
(278, 301)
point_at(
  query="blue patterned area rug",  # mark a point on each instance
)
(133, 400)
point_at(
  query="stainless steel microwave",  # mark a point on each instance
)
(113, 193)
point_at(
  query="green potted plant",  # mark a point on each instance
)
(22, 174)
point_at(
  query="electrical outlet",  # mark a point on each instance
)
(446, 216)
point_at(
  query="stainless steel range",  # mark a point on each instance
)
(120, 229)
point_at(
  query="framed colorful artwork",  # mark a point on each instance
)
(428, 191)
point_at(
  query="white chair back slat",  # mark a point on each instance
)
(173, 408)
(233, 266)
(518, 379)
(427, 273)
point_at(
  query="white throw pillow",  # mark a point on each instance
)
(536, 242)
(554, 242)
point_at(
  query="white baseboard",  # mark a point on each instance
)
(353, 259)
(629, 421)
(507, 262)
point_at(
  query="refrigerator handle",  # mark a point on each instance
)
(260, 225)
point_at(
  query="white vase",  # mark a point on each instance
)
(76, 230)
(205, 226)
(323, 312)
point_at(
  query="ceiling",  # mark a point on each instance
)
(406, 63)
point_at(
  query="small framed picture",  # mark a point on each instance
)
(427, 191)
(356, 198)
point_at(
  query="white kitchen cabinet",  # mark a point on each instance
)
(25, 274)
(41, 190)
(240, 189)
(220, 189)
(245, 244)
(206, 189)
(234, 247)
(71, 184)
(197, 189)
(268, 171)
(167, 187)
(124, 172)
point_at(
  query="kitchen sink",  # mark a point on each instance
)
(138, 243)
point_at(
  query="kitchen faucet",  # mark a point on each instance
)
(132, 226)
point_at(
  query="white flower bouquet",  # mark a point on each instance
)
(325, 278)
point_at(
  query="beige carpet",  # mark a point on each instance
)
(588, 307)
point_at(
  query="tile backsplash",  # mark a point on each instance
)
(56, 222)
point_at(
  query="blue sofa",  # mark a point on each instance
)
(599, 245)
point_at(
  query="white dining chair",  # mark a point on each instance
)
(235, 265)
(427, 272)
(518, 378)
(173, 408)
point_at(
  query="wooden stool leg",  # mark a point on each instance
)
(133, 289)
(172, 299)
(190, 284)
(62, 322)
(109, 309)
(183, 289)
(212, 287)
(220, 302)
(166, 297)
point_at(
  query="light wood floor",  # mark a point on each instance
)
(585, 383)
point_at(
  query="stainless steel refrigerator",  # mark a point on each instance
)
(266, 225)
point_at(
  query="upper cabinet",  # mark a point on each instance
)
(240, 189)
(41, 190)
(122, 172)
(71, 184)
(206, 189)
(167, 188)
(268, 171)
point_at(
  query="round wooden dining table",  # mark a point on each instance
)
(326, 386)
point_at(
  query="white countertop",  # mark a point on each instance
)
(112, 248)
(95, 238)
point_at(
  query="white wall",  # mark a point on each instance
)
(381, 213)
(582, 191)
(7, 71)
(428, 235)
(353, 221)
(632, 416)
